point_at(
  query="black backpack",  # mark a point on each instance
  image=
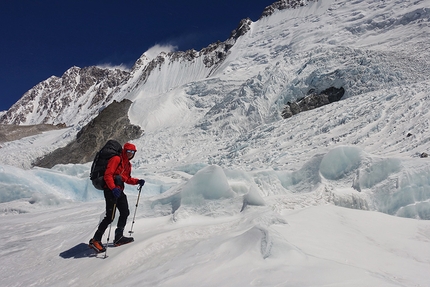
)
(98, 168)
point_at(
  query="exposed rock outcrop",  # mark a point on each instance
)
(313, 101)
(111, 123)
(284, 4)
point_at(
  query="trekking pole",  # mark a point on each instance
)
(110, 227)
(137, 202)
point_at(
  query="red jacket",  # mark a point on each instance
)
(120, 165)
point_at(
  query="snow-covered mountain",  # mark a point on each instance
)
(235, 195)
(61, 100)
(76, 97)
(348, 54)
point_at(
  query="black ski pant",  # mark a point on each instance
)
(124, 212)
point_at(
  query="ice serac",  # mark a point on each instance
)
(209, 183)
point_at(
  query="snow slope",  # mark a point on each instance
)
(237, 196)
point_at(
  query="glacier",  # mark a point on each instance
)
(235, 195)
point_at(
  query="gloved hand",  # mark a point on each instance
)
(141, 182)
(116, 192)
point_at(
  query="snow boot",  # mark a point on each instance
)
(123, 240)
(96, 245)
(120, 239)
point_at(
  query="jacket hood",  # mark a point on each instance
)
(129, 146)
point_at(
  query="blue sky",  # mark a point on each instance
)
(41, 38)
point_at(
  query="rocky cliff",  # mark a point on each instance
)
(111, 123)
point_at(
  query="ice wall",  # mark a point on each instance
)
(44, 186)
(344, 176)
